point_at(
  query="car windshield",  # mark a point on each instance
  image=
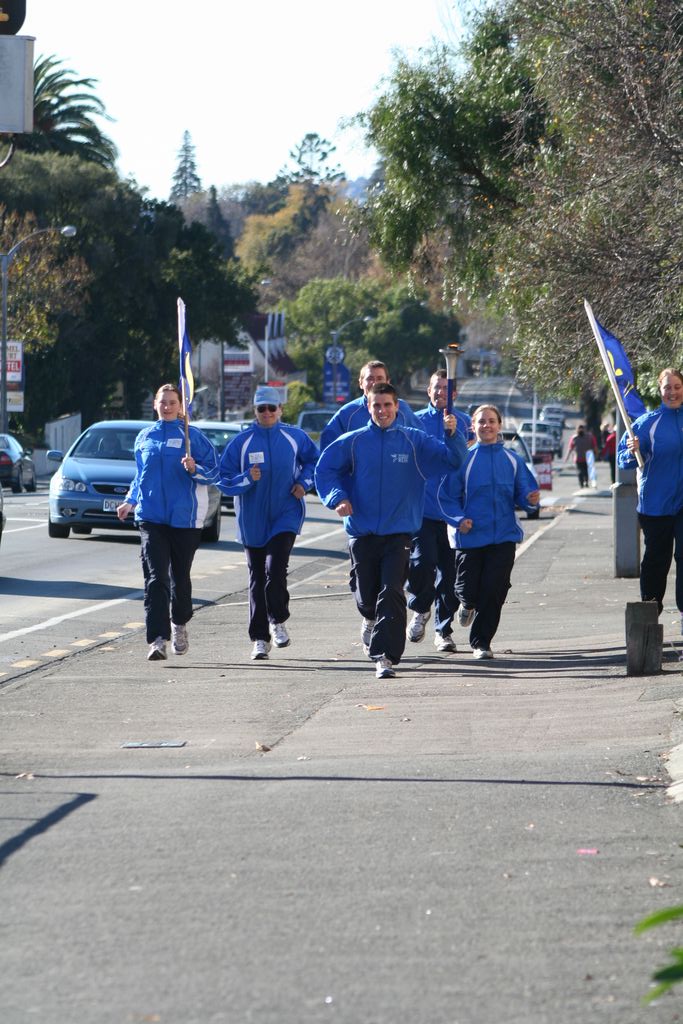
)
(315, 420)
(219, 437)
(541, 428)
(106, 443)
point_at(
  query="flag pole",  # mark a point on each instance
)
(611, 377)
(181, 335)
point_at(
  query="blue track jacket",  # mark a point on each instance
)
(488, 487)
(286, 456)
(355, 415)
(162, 490)
(431, 421)
(660, 482)
(382, 472)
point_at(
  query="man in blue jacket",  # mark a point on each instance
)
(355, 415)
(431, 571)
(268, 468)
(374, 478)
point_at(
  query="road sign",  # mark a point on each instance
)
(335, 354)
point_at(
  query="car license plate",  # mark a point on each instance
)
(111, 504)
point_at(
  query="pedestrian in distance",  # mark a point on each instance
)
(374, 479)
(658, 436)
(485, 530)
(608, 452)
(431, 569)
(169, 496)
(580, 444)
(356, 414)
(268, 468)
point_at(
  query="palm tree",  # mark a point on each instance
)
(63, 119)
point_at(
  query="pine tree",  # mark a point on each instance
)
(186, 181)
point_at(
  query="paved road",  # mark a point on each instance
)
(465, 844)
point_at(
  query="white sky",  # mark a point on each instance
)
(248, 80)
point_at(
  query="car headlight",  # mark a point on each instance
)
(65, 484)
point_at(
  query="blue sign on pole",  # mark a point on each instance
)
(336, 382)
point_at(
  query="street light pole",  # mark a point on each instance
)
(335, 338)
(68, 231)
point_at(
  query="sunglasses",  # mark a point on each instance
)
(266, 408)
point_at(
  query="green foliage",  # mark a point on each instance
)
(186, 181)
(401, 330)
(64, 109)
(298, 394)
(311, 157)
(671, 975)
(140, 256)
(540, 165)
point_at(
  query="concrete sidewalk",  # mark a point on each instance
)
(467, 843)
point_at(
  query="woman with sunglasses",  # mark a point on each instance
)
(268, 468)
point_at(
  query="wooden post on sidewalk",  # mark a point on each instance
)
(644, 639)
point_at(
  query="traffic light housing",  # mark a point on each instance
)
(12, 15)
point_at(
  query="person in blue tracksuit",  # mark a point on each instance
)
(658, 436)
(484, 527)
(355, 415)
(374, 478)
(268, 468)
(431, 570)
(169, 496)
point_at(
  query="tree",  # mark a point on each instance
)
(185, 179)
(310, 158)
(64, 118)
(140, 256)
(384, 321)
(218, 225)
(542, 168)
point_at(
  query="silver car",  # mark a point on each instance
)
(94, 477)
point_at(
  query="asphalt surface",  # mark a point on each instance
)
(468, 843)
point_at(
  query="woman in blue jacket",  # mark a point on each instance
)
(658, 436)
(492, 482)
(169, 494)
(268, 468)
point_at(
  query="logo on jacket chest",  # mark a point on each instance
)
(399, 457)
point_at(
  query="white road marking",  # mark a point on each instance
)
(22, 529)
(319, 536)
(134, 595)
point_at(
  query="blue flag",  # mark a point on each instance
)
(186, 382)
(633, 403)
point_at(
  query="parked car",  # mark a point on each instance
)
(17, 469)
(315, 418)
(554, 415)
(548, 439)
(220, 432)
(93, 480)
(513, 440)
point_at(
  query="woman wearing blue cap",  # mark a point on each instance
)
(268, 468)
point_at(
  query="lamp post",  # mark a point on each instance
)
(68, 231)
(334, 350)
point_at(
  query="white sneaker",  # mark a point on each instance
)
(260, 650)
(416, 629)
(179, 641)
(445, 644)
(157, 650)
(482, 653)
(279, 634)
(465, 616)
(384, 668)
(366, 629)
